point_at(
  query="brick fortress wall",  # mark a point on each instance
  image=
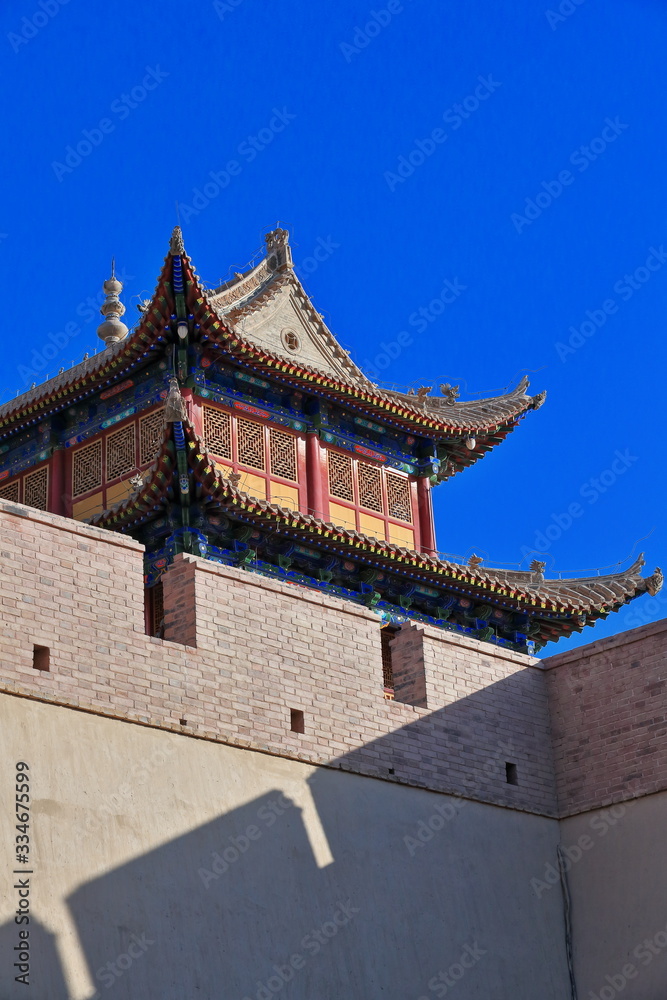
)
(241, 651)
(609, 718)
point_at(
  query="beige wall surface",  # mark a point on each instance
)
(164, 867)
(618, 884)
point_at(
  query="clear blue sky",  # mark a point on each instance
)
(531, 150)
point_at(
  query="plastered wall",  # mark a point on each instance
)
(165, 867)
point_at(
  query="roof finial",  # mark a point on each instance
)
(277, 246)
(112, 329)
(176, 244)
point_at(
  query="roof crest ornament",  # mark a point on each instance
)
(112, 329)
(654, 582)
(176, 244)
(174, 406)
(450, 392)
(278, 248)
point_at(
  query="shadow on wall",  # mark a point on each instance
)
(46, 978)
(422, 886)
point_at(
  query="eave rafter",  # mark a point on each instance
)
(430, 417)
(102, 369)
(561, 605)
(151, 497)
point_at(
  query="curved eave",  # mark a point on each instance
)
(483, 418)
(150, 499)
(115, 362)
(588, 598)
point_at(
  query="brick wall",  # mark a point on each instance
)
(242, 651)
(609, 718)
(408, 667)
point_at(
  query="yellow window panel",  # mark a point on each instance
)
(88, 507)
(342, 516)
(286, 496)
(253, 485)
(118, 492)
(402, 536)
(370, 525)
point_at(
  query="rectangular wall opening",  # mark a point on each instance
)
(296, 720)
(387, 633)
(41, 657)
(154, 610)
(511, 774)
(403, 667)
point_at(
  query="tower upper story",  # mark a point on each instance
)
(230, 423)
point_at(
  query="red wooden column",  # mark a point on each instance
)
(426, 524)
(316, 472)
(58, 502)
(195, 411)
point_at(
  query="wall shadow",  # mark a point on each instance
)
(238, 907)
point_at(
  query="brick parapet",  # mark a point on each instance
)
(180, 603)
(609, 719)
(249, 650)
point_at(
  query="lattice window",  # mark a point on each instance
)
(10, 491)
(87, 468)
(251, 444)
(35, 488)
(340, 476)
(370, 487)
(218, 432)
(121, 452)
(151, 431)
(398, 497)
(283, 454)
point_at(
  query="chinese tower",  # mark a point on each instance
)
(231, 424)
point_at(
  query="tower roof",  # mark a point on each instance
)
(263, 320)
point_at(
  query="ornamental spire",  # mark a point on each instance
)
(176, 244)
(278, 249)
(112, 329)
